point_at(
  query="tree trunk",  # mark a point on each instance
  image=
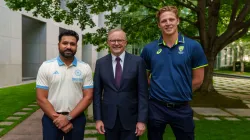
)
(207, 85)
(234, 69)
(234, 55)
(241, 59)
(235, 58)
(241, 66)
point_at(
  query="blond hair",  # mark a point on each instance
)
(167, 9)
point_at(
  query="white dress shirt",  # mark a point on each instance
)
(122, 57)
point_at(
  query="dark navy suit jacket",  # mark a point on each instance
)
(130, 100)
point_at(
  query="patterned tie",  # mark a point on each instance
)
(118, 72)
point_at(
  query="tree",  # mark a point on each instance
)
(214, 23)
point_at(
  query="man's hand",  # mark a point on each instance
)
(140, 128)
(60, 121)
(67, 128)
(100, 127)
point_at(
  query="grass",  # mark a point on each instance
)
(214, 99)
(13, 99)
(232, 72)
(210, 130)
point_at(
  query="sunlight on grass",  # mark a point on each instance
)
(232, 72)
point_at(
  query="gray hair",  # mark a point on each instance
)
(117, 30)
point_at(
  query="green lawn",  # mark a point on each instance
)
(212, 130)
(231, 72)
(13, 99)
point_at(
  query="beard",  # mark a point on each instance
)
(67, 53)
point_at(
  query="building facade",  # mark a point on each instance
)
(228, 55)
(26, 41)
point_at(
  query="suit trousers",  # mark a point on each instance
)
(51, 132)
(179, 118)
(119, 133)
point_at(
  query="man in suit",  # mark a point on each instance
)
(120, 91)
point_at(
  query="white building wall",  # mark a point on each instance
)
(10, 46)
(227, 57)
(11, 43)
(89, 53)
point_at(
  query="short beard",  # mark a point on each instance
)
(67, 56)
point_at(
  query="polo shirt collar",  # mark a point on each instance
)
(180, 39)
(61, 63)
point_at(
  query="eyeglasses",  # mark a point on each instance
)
(118, 41)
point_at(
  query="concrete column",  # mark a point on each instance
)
(10, 46)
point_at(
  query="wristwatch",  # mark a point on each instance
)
(68, 117)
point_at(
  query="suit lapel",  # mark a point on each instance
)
(125, 66)
(110, 71)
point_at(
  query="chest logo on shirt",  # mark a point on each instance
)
(159, 51)
(181, 48)
(78, 73)
(56, 72)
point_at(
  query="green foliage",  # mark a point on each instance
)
(226, 68)
(137, 18)
(246, 66)
(52, 9)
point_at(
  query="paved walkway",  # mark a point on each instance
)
(232, 87)
(23, 82)
(31, 129)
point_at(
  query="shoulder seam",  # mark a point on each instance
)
(51, 60)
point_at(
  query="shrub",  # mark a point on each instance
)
(226, 68)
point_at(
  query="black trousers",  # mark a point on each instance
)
(119, 133)
(51, 132)
(179, 118)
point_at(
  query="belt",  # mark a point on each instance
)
(170, 105)
(63, 113)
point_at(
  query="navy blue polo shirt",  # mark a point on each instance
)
(171, 68)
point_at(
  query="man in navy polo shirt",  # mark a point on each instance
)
(176, 64)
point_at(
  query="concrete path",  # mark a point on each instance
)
(23, 82)
(31, 129)
(232, 86)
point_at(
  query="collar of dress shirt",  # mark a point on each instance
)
(122, 56)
